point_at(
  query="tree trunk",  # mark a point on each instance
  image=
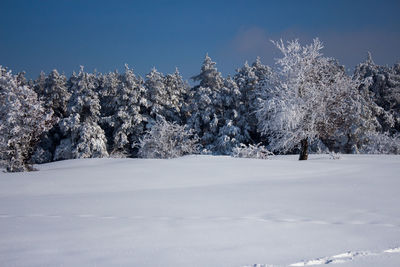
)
(304, 149)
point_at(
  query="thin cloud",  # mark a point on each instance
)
(349, 48)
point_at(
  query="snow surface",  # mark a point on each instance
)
(203, 211)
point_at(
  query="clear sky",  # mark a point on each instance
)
(104, 35)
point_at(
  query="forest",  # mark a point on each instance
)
(305, 103)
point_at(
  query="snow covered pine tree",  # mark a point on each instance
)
(122, 104)
(22, 121)
(249, 80)
(84, 138)
(53, 92)
(204, 105)
(384, 88)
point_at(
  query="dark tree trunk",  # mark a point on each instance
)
(304, 149)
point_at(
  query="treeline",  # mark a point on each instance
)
(99, 115)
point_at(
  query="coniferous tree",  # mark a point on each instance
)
(53, 92)
(39, 84)
(157, 96)
(230, 134)
(22, 121)
(250, 79)
(123, 105)
(204, 103)
(56, 95)
(177, 92)
(83, 137)
(384, 89)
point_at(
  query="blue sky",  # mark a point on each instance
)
(104, 35)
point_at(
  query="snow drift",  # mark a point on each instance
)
(203, 211)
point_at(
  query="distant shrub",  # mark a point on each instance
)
(381, 143)
(251, 151)
(168, 140)
(334, 155)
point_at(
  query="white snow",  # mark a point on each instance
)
(203, 211)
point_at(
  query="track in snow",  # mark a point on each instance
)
(339, 258)
(273, 219)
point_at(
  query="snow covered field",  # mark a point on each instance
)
(203, 211)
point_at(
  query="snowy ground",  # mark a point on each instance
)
(203, 211)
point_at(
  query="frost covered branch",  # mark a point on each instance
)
(167, 140)
(251, 151)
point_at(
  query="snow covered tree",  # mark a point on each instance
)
(381, 143)
(39, 84)
(204, 114)
(230, 134)
(22, 121)
(350, 113)
(167, 140)
(251, 151)
(157, 95)
(246, 81)
(123, 104)
(52, 91)
(249, 79)
(84, 138)
(55, 94)
(177, 92)
(384, 89)
(313, 99)
(214, 110)
(165, 96)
